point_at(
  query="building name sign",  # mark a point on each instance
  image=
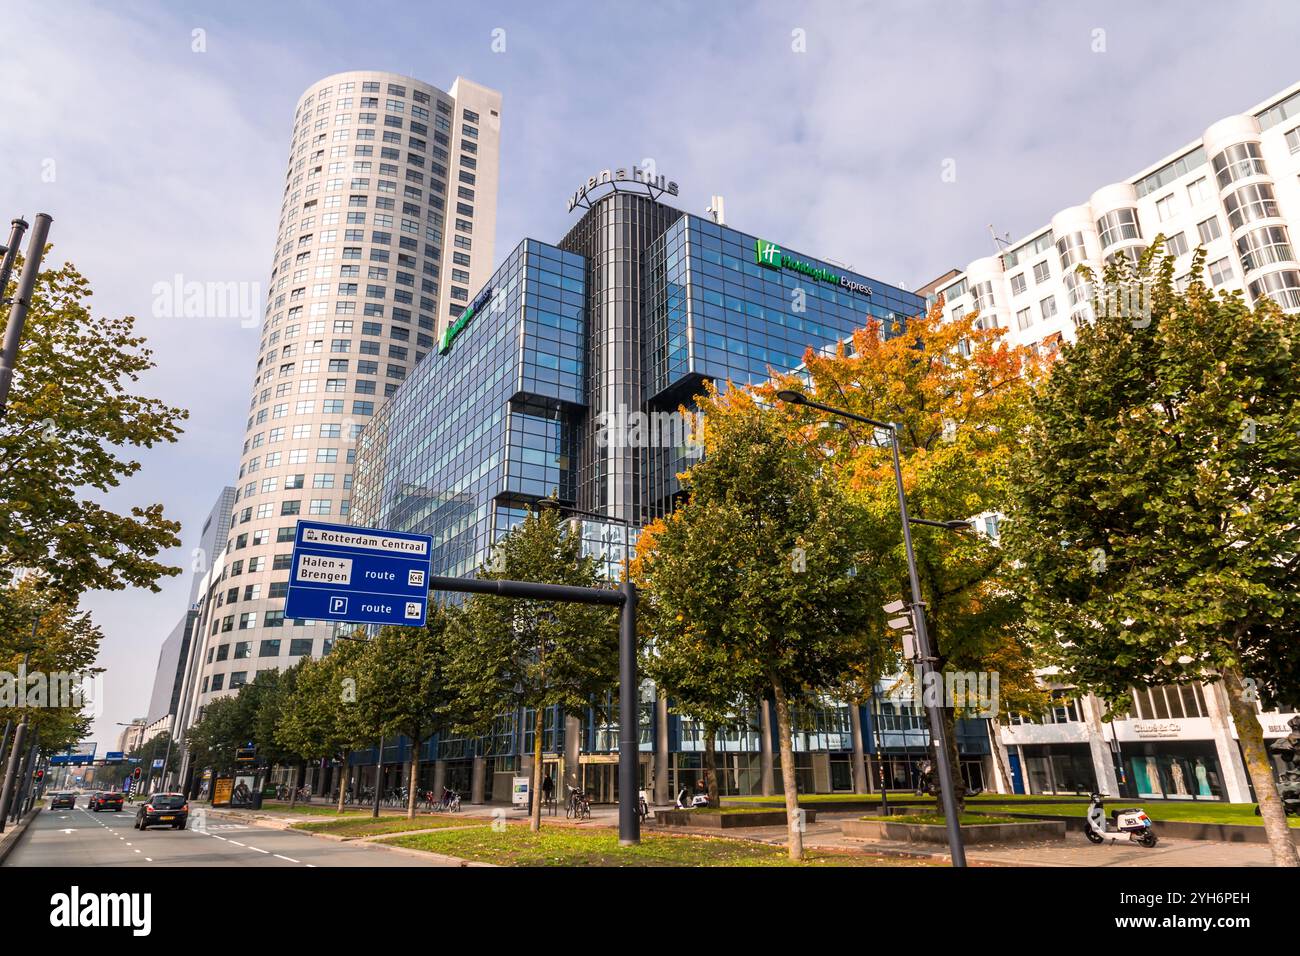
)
(450, 332)
(770, 256)
(1156, 729)
(655, 185)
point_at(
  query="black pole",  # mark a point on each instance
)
(22, 302)
(4, 740)
(26, 780)
(629, 736)
(938, 733)
(379, 777)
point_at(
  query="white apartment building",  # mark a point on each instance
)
(1235, 191)
(386, 226)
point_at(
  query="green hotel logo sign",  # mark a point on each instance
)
(450, 332)
(770, 256)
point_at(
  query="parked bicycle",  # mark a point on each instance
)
(579, 805)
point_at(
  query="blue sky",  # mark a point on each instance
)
(167, 161)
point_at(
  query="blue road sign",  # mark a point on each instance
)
(358, 575)
(114, 756)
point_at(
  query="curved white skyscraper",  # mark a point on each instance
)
(386, 226)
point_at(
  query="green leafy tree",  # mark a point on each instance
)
(763, 566)
(72, 408)
(62, 644)
(322, 717)
(226, 725)
(404, 688)
(507, 654)
(960, 397)
(1158, 510)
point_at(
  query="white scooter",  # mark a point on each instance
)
(1131, 825)
(687, 802)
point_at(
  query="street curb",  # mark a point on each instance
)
(11, 835)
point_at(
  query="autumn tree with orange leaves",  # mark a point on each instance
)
(960, 396)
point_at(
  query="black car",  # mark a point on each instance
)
(60, 801)
(163, 809)
(106, 800)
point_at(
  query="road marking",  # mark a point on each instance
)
(237, 843)
(259, 851)
(137, 851)
(69, 831)
(289, 858)
(312, 865)
(215, 837)
(148, 859)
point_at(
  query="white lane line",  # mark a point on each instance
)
(215, 837)
(148, 859)
(289, 858)
(312, 865)
(237, 843)
(259, 851)
(137, 851)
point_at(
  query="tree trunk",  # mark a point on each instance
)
(994, 746)
(859, 749)
(954, 762)
(711, 762)
(1260, 769)
(535, 823)
(293, 786)
(343, 781)
(414, 779)
(793, 829)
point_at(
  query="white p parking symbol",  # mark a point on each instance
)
(338, 605)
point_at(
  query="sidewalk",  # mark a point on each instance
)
(1074, 850)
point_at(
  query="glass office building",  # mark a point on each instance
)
(630, 312)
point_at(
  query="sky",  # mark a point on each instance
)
(885, 136)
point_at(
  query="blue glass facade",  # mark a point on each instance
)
(636, 307)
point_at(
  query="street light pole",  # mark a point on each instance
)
(938, 732)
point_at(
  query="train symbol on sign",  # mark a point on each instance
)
(338, 605)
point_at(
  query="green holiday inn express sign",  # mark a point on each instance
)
(769, 255)
(453, 330)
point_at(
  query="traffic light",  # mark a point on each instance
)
(38, 775)
(135, 774)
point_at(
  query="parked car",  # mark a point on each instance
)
(60, 801)
(163, 809)
(106, 800)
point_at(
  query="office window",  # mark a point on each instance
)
(1209, 230)
(1165, 208)
(300, 647)
(1042, 272)
(1199, 191)
(270, 648)
(1024, 319)
(1018, 283)
(1177, 245)
(1047, 307)
(243, 649)
(1219, 271)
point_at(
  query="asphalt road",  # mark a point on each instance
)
(80, 838)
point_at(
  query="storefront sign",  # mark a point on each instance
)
(770, 256)
(453, 330)
(656, 186)
(1155, 730)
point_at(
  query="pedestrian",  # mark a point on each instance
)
(548, 788)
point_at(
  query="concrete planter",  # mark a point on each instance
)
(886, 829)
(725, 821)
(1178, 829)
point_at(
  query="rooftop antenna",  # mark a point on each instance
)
(717, 210)
(1000, 243)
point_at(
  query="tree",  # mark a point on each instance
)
(71, 409)
(226, 725)
(267, 699)
(959, 395)
(404, 690)
(62, 644)
(1158, 509)
(508, 654)
(763, 566)
(322, 717)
